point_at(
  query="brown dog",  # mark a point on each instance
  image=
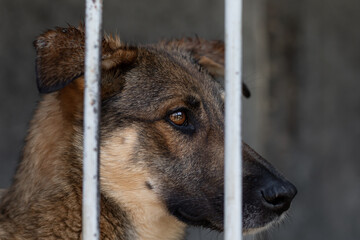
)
(162, 145)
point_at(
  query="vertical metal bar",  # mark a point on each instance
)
(90, 207)
(233, 160)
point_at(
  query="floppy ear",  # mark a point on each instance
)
(61, 53)
(209, 54)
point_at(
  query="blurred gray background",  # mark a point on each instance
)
(302, 64)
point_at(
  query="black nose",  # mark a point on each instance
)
(277, 196)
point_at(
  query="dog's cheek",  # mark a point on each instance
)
(123, 173)
(127, 180)
(122, 179)
(169, 142)
(174, 157)
(119, 176)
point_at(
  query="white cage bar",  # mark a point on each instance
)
(233, 159)
(90, 207)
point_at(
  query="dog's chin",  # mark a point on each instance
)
(255, 228)
(249, 228)
(256, 217)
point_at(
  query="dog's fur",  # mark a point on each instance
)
(156, 175)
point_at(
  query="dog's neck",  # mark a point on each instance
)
(46, 196)
(42, 197)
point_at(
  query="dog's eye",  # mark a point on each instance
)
(178, 118)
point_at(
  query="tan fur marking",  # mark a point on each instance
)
(126, 184)
(213, 67)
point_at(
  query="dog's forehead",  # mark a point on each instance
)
(174, 70)
(164, 80)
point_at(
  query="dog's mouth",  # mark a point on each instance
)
(190, 217)
(182, 213)
(198, 217)
(197, 220)
(213, 219)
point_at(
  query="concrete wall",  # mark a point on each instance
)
(314, 113)
(302, 64)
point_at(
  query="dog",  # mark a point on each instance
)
(162, 145)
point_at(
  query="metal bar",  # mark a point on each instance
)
(90, 207)
(233, 158)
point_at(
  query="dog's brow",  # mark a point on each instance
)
(192, 101)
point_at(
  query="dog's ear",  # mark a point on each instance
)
(61, 53)
(209, 54)
(60, 58)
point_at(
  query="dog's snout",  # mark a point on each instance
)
(277, 196)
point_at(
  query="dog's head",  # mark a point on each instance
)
(162, 127)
